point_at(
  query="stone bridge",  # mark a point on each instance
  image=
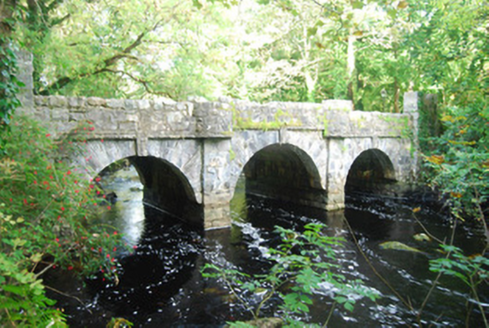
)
(190, 155)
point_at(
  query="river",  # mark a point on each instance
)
(160, 284)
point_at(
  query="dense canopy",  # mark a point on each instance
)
(289, 50)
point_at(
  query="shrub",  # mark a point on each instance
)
(45, 210)
(459, 162)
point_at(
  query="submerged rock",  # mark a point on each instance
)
(421, 237)
(396, 245)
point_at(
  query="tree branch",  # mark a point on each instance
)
(59, 20)
(106, 64)
(146, 84)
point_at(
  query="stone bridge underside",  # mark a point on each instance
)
(189, 155)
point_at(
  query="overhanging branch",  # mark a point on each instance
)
(105, 65)
(144, 83)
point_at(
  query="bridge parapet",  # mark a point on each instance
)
(335, 118)
(165, 118)
(358, 124)
(128, 119)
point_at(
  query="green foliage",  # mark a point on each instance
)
(119, 323)
(45, 213)
(370, 52)
(9, 85)
(302, 265)
(471, 270)
(459, 163)
(454, 62)
(129, 49)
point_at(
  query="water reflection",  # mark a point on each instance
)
(163, 260)
(127, 212)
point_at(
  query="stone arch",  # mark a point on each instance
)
(284, 172)
(168, 189)
(166, 186)
(99, 154)
(370, 169)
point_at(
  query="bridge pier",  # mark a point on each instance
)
(216, 187)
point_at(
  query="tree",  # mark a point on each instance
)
(127, 49)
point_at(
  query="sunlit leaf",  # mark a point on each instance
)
(436, 159)
(402, 4)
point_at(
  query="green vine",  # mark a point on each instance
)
(9, 85)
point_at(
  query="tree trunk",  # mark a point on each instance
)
(350, 64)
(396, 96)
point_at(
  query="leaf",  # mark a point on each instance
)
(197, 4)
(392, 13)
(349, 306)
(402, 5)
(18, 290)
(436, 159)
(357, 5)
(36, 257)
(312, 31)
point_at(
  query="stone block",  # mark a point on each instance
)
(103, 120)
(115, 103)
(42, 114)
(40, 100)
(60, 115)
(78, 103)
(175, 117)
(66, 127)
(181, 106)
(132, 117)
(211, 120)
(190, 109)
(411, 100)
(143, 104)
(126, 127)
(78, 117)
(57, 101)
(130, 104)
(158, 105)
(96, 102)
(167, 102)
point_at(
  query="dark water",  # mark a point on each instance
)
(160, 284)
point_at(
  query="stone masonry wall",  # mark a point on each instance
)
(165, 118)
(123, 119)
